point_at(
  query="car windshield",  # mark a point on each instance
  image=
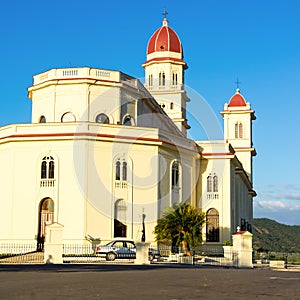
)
(109, 244)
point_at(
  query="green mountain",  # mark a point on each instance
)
(272, 236)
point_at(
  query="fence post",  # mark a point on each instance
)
(142, 253)
(53, 248)
(242, 245)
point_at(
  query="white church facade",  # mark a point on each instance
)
(104, 149)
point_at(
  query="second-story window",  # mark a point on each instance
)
(121, 170)
(238, 130)
(150, 80)
(124, 170)
(118, 170)
(174, 79)
(47, 168)
(175, 174)
(212, 183)
(162, 79)
(215, 183)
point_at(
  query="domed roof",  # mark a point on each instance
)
(237, 99)
(164, 39)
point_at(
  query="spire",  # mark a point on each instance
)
(165, 21)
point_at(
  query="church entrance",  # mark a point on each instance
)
(46, 217)
(120, 229)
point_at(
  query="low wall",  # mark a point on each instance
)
(277, 264)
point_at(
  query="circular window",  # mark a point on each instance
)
(102, 118)
(68, 117)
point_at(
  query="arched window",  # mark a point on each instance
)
(150, 80)
(118, 170)
(121, 170)
(175, 174)
(162, 79)
(102, 118)
(212, 226)
(175, 183)
(44, 170)
(238, 130)
(174, 78)
(124, 170)
(42, 119)
(215, 183)
(171, 105)
(128, 120)
(209, 184)
(47, 168)
(68, 117)
(212, 183)
(51, 170)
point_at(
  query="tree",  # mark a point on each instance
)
(182, 225)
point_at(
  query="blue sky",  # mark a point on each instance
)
(256, 41)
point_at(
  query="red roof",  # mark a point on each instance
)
(240, 232)
(237, 99)
(164, 39)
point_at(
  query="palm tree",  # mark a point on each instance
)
(182, 225)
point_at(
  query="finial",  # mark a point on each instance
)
(165, 21)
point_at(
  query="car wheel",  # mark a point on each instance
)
(151, 257)
(110, 256)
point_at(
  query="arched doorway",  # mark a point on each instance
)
(212, 226)
(120, 229)
(46, 217)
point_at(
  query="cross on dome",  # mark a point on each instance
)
(165, 13)
(165, 21)
(237, 83)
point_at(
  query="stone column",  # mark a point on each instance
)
(53, 248)
(142, 253)
(242, 248)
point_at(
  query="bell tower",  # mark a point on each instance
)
(238, 117)
(164, 74)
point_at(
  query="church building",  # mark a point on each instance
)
(104, 150)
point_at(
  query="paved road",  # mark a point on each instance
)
(145, 282)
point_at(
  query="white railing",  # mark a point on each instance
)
(121, 184)
(70, 72)
(212, 196)
(47, 183)
(175, 87)
(76, 73)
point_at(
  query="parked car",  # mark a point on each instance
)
(123, 248)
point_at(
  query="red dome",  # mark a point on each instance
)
(237, 99)
(164, 39)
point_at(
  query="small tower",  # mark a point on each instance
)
(164, 74)
(238, 117)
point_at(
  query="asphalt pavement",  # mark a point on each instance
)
(171, 282)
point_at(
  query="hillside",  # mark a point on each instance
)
(273, 236)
